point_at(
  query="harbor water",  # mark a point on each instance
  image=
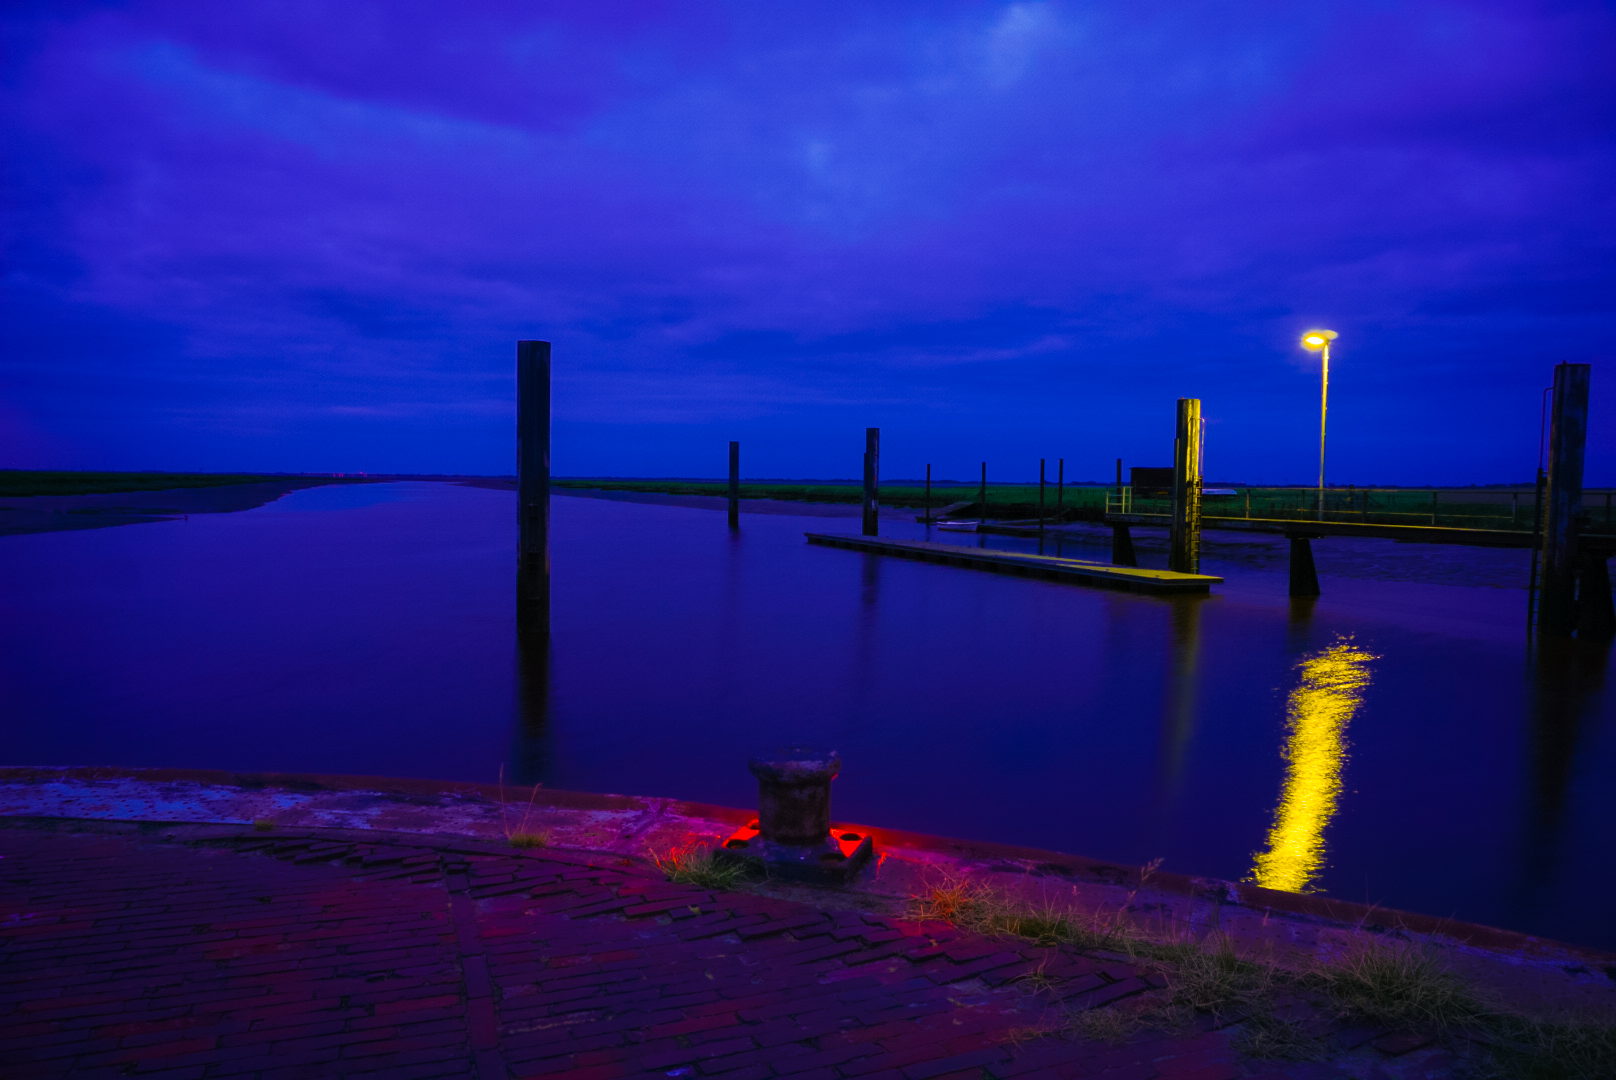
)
(1398, 741)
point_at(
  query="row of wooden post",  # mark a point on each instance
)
(1570, 589)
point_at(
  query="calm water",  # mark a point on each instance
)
(1394, 742)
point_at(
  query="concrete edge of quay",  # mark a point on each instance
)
(1519, 966)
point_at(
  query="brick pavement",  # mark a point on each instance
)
(201, 951)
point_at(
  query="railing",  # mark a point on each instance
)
(1457, 508)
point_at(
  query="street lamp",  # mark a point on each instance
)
(1319, 341)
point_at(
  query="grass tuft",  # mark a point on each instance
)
(1561, 1048)
(263, 824)
(982, 910)
(1210, 977)
(521, 836)
(699, 866)
(1275, 1038)
(1401, 985)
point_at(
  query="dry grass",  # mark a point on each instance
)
(263, 824)
(1561, 1048)
(983, 910)
(699, 866)
(1402, 985)
(522, 836)
(1274, 1038)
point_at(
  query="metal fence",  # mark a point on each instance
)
(1455, 508)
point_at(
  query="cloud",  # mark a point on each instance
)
(731, 210)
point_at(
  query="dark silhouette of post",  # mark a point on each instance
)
(1185, 555)
(872, 481)
(1304, 575)
(1040, 494)
(982, 498)
(734, 485)
(1568, 437)
(1060, 490)
(1122, 553)
(928, 494)
(533, 485)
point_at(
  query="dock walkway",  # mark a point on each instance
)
(1070, 571)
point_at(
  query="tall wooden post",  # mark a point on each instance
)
(982, 498)
(872, 481)
(533, 485)
(928, 494)
(1185, 555)
(734, 485)
(1568, 438)
(1060, 489)
(1040, 494)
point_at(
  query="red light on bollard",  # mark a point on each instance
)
(792, 836)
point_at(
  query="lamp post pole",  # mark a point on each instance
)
(1324, 409)
(1320, 340)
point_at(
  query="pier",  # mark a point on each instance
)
(1070, 571)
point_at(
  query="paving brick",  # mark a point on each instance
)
(318, 957)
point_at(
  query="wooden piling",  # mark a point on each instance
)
(734, 485)
(928, 494)
(982, 498)
(1122, 552)
(1185, 554)
(1596, 610)
(1568, 437)
(1040, 494)
(533, 485)
(1304, 574)
(872, 481)
(1060, 490)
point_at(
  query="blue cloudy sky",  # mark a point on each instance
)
(304, 235)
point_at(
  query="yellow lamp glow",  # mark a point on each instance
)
(1318, 339)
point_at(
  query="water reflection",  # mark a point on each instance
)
(532, 754)
(1330, 690)
(1567, 678)
(1178, 703)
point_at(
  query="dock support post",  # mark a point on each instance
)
(1596, 612)
(1304, 575)
(872, 481)
(734, 485)
(1040, 494)
(533, 485)
(1122, 553)
(1060, 491)
(928, 495)
(1185, 556)
(1568, 437)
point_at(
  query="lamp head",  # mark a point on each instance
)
(1318, 339)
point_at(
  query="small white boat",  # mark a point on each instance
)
(958, 526)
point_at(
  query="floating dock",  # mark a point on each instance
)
(1070, 571)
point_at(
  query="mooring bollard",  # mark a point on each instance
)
(794, 794)
(792, 836)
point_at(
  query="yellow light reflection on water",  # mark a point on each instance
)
(1330, 690)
